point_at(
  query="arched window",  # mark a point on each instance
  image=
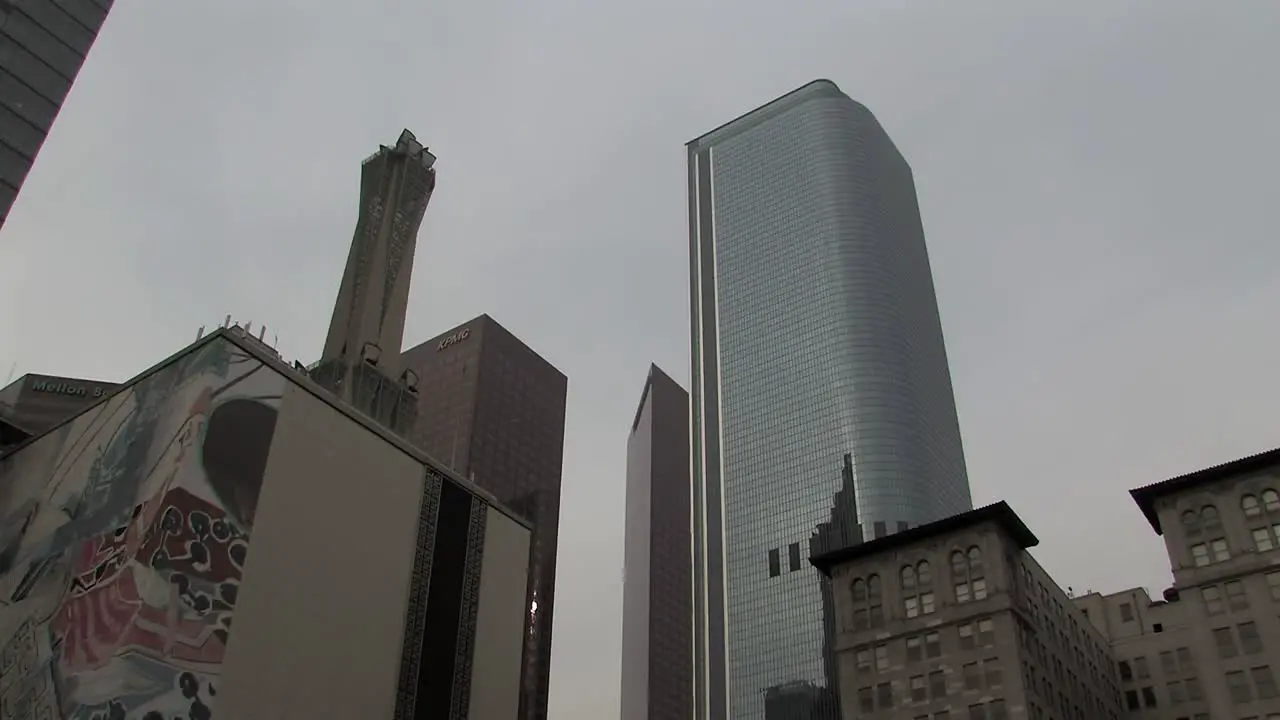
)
(968, 575)
(1266, 536)
(1126, 672)
(1209, 519)
(917, 590)
(868, 606)
(1191, 522)
(875, 604)
(1270, 501)
(1249, 504)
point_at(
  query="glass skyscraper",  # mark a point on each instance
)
(822, 404)
(43, 43)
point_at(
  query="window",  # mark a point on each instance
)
(882, 658)
(1200, 554)
(1209, 519)
(1236, 598)
(997, 710)
(994, 674)
(937, 684)
(1219, 548)
(1176, 692)
(1262, 539)
(917, 589)
(884, 695)
(1270, 501)
(1212, 600)
(1264, 682)
(1126, 672)
(932, 645)
(1168, 665)
(1126, 612)
(875, 609)
(1226, 643)
(1191, 522)
(1250, 640)
(966, 634)
(1273, 584)
(968, 575)
(914, 650)
(793, 554)
(1148, 697)
(1249, 504)
(1194, 692)
(866, 701)
(1238, 687)
(972, 678)
(918, 692)
(1131, 700)
(986, 633)
(868, 611)
(978, 712)
(1185, 661)
(1140, 668)
(862, 661)
(775, 566)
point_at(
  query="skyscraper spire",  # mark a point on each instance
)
(395, 187)
(361, 358)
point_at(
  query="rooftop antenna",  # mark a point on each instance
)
(200, 333)
(227, 323)
(262, 331)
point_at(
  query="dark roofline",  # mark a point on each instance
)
(1147, 495)
(999, 513)
(485, 319)
(655, 373)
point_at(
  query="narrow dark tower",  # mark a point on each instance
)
(361, 358)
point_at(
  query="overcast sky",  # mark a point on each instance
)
(1096, 179)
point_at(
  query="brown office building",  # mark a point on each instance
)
(493, 410)
(657, 590)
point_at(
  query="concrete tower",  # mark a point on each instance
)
(361, 358)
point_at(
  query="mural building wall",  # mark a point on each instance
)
(123, 538)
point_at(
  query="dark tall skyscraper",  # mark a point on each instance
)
(657, 614)
(817, 362)
(43, 43)
(361, 358)
(493, 410)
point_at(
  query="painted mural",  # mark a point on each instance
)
(123, 536)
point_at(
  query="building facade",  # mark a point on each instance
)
(38, 403)
(657, 590)
(816, 338)
(43, 43)
(1221, 529)
(218, 487)
(361, 358)
(493, 410)
(955, 620)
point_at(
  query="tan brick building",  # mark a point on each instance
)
(956, 621)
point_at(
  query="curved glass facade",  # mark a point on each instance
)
(822, 403)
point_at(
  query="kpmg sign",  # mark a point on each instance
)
(454, 339)
(60, 387)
